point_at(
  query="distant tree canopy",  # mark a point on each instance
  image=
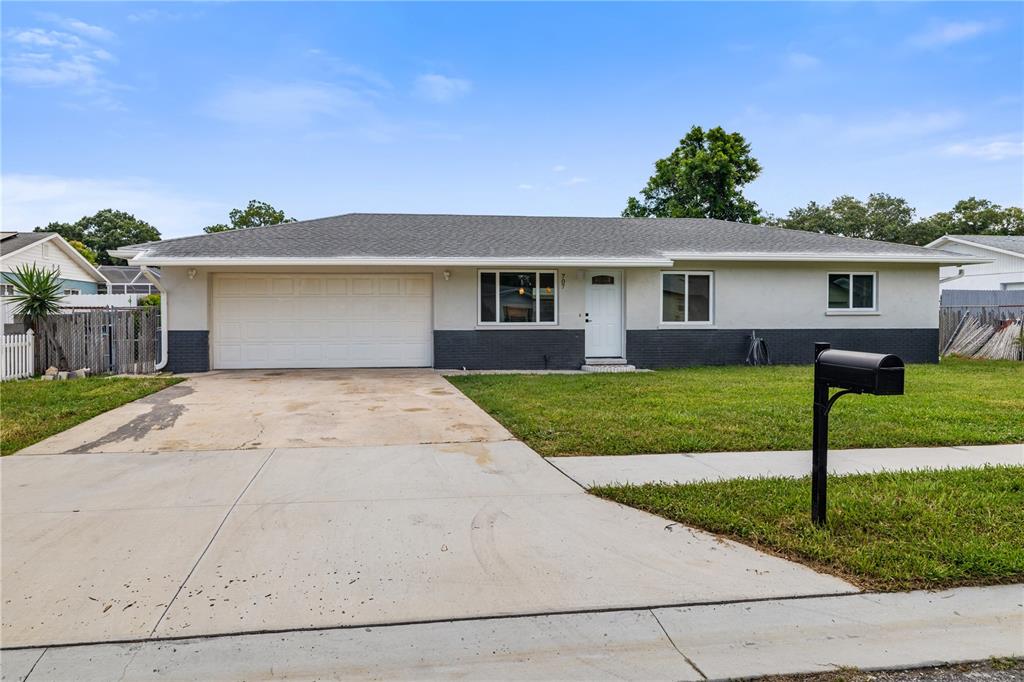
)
(256, 214)
(888, 218)
(87, 253)
(703, 177)
(106, 229)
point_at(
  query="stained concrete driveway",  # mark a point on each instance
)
(134, 545)
(285, 409)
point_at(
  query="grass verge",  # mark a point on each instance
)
(711, 409)
(887, 532)
(31, 410)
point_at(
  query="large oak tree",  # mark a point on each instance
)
(703, 177)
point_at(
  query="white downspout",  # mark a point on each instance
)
(155, 281)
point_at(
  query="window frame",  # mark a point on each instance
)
(850, 310)
(7, 290)
(497, 297)
(686, 323)
(72, 291)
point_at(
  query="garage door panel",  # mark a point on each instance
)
(322, 321)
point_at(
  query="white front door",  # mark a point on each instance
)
(604, 314)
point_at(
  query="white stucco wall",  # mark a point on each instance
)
(746, 296)
(1004, 270)
(792, 296)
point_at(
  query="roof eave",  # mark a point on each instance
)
(525, 261)
(970, 242)
(938, 259)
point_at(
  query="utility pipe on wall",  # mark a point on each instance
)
(155, 281)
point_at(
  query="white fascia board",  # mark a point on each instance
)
(968, 242)
(531, 262)
(938, 259)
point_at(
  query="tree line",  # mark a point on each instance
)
(704, 176)
(109, 229)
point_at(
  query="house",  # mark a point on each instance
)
(127, 279)
(1003, 272)
(47, 250)
(504, 292)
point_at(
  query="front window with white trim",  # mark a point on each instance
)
(518, 297)
(687, 297)
(852, 291)
(6, 290)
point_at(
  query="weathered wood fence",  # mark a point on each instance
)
(107, 341)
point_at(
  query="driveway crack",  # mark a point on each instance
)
(210, 543)
(672, 642)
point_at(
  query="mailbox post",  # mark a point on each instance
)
(851, 372)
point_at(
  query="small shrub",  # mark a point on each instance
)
(150, 300)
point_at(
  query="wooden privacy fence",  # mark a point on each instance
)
(16, 355)
(107, 341)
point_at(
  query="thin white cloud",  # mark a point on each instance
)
(69, 58)
(282, 104)
(905, 124)
(802, 61)
(987, 149)
(30, 201)
(941, 34)
(347, 70)
(558, 168)
(576, 180)
(438, 88)
(88, 30)
(525, 186)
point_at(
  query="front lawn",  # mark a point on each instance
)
(890, 531)
(712, 409)
(31, 410)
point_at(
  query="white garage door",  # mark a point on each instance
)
(270, 321)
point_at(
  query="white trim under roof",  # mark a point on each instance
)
(980, 245)
(938, 259)
(531, 262)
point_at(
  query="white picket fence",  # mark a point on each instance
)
(17, 352)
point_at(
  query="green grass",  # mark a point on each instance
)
(709, 409)
(32, 410)
(889, 531)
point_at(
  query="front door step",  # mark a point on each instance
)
(607, 367)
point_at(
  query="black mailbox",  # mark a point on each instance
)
(850, 372)
(861, 372)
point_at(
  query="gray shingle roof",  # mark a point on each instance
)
(1005, 242)
(383, 236)
(125, 274)
(12, 241)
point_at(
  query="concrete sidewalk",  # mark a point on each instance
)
(867, 631)
(720, 466)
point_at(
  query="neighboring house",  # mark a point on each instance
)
(128, 279)
(47, 250)
(1005, 271)
(502, 292)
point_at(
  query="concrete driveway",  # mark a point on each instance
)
(234, 410)
(457, 521)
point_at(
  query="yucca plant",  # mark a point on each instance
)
(37, 292)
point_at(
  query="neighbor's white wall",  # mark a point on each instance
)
(48, 255)
(792, 296)
(1003, 270)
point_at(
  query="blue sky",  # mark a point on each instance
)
(179, 112)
